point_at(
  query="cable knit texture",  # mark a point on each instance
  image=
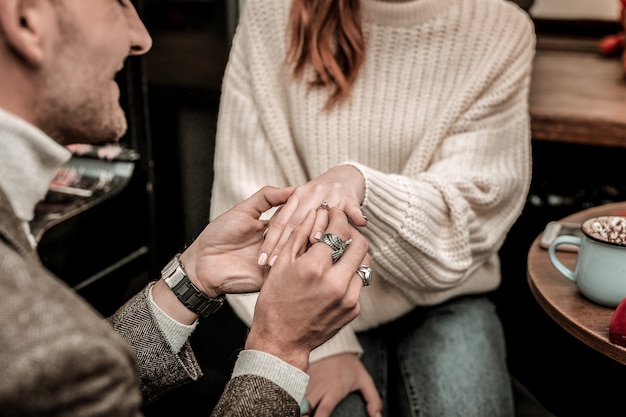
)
(437, 122)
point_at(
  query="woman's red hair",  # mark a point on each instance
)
(327, 34)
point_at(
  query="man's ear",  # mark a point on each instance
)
(22, 24)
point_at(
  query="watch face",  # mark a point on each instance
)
(174, 279)
(171, 266)
(173, 272)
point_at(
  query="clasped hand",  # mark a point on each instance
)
(305, 297)
(341, 186)
(223, 258)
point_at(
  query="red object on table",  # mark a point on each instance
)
(617, 328)
(615, 44)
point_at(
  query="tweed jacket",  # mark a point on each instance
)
(59, 357)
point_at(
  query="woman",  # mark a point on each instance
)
(412, 117)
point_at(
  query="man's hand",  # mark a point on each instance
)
(306, 298)
(223, 259)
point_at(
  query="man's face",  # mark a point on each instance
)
(81, 97)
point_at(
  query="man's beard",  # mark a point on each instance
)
(69, 123)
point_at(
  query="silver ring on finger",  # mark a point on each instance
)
(335, 243)
(325, 206)
(365, 273)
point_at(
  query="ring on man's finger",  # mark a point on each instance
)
(365, 272)
(335, 243)
(325, 206)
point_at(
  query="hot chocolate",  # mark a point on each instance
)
(611, 229)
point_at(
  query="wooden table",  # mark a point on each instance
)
(561, 299)
(577, 95)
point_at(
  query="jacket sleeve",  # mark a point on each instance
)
(255, 396)
(160, 369)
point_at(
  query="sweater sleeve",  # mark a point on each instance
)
(445, 156)
(435, 228)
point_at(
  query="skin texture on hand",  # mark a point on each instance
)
(334, 377)
(342, 186)
(306, 298)
(223, 258)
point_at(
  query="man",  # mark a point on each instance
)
(58, 60)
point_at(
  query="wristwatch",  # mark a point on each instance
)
(195, 300)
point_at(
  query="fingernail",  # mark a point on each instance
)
(366, 219)
(273, 260)
(318, 235)
(262, 259)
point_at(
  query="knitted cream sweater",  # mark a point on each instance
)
(437, 122)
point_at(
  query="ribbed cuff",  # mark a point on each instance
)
(175, 333)
(288, 377)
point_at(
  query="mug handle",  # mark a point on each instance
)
(562, 240)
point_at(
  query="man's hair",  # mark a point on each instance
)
(328, 35)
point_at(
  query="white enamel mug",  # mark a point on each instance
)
(600, 271)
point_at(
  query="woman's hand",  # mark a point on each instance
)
(342, 186)
(333, 378)
(307, 298)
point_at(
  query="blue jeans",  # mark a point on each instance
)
(442, 361)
